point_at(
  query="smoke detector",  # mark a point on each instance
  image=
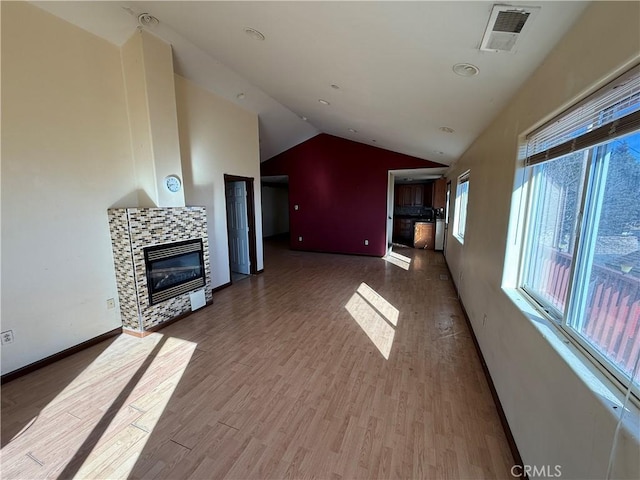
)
(465, 69)
(506, 26)
(147, 20)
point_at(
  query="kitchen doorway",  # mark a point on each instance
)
(390, 206)
(411, 194)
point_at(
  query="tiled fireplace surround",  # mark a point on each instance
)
(133, 229)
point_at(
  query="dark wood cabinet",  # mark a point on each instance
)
(428, 194)
(440, 193)
(407, 196)
(405, 229)
(418, 195)
(402, 228)
(410, 195)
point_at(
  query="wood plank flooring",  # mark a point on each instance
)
(325, 366)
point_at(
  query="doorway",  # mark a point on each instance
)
(390, 210)
(275, 207)
(241, 226)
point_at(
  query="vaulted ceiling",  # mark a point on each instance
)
(384, 68)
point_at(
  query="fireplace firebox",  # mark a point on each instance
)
(173, 269)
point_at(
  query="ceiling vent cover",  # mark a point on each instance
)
(506, 26)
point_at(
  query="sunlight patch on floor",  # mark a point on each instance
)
(150, 402)
(102, 363)
(378, 302)
(375, 316)
(397, 260)
(112, 418)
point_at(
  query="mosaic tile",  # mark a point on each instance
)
(133, 229)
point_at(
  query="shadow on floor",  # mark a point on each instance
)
(39, 388)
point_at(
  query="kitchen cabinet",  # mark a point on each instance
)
(440, 193)
(406, 196)
(424, 235)
(417, 192)
(402, 228)
(410, 195)
(428, 194)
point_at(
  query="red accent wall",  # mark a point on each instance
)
(340, 187)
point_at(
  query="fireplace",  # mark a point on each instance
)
(172, 245)
(173, 269)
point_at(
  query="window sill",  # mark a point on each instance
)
(601, 385)
(459, 239)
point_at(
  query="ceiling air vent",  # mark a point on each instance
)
(506, 26)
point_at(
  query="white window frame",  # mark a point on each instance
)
(461, 206)
(545, 150)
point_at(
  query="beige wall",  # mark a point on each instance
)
(552, 405)
(217, 138)
(147, 65)
(66, 158)
(138, 110)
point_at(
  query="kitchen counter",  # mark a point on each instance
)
(406, 226)
(414, 217)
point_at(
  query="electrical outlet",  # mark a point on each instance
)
(366, 242)
(299, 239)
(7, 337)
(111, 303)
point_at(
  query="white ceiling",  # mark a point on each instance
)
(392, 61)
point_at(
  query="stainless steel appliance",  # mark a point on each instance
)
(439, 243)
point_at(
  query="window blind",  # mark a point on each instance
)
(611, 112)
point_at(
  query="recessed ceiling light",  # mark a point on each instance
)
(353, 130)
(240, 96)
(335, 87)
(374, 141)
(304, 118)
(465, 69)
(147, 20)
(253, 33)
(324, 102)
(439, 152)
(447, 129)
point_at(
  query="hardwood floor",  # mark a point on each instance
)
(325, 366)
